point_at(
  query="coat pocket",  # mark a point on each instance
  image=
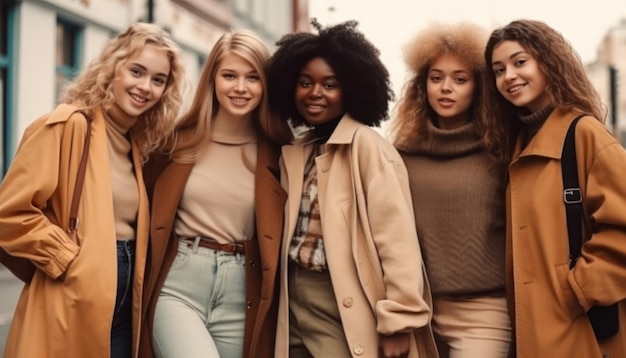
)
(566, 294)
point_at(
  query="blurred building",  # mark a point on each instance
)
(608, 74)
(45, 42)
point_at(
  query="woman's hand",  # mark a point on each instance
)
(394, 346)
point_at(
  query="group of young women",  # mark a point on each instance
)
(448, 240)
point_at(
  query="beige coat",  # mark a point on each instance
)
(370, 240)
(550, 300)
(71, 317)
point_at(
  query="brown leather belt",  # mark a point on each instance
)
(231, 248)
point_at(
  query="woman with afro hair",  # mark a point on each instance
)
(352, 280)
(442, 134)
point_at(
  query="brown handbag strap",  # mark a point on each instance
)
(80, 180)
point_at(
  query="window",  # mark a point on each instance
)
(67, 53)
(5, 124)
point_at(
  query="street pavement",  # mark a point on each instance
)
(10, 289)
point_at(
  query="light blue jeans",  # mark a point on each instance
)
(201, 308)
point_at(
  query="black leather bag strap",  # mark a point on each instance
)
(572, 195)
(604, 319)
(80, 180)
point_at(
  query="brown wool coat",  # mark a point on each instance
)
(548, 301)
(70, 318)
(165, 181)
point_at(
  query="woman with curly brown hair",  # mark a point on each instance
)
(352, 281)
(538, 87)
(84, 299)
(443, 137)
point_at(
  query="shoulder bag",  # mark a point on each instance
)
(604, 319)
(23, 268)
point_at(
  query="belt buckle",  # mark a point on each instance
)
(238, 248)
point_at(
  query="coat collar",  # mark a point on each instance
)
(295, 156)
(62, 113)
(344, 133)
(548, 142)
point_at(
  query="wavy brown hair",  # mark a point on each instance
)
(93, 86)
(196, 122)
(567, 83)
(465, 40)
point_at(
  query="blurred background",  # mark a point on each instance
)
(43, 43)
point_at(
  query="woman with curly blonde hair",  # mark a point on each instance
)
(84, 298)
(445, 141)
(93, 87)
(540, 93)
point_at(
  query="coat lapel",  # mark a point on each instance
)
(165, 198)
(261, 280)
(548, 142)
(294, 157)
(168, 191)
(270, 199)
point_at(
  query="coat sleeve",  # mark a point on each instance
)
(390, 214)
(599, 275)
(32, 179)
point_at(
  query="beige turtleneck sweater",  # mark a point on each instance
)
(218, 199)
(123, 181)
(459, 211)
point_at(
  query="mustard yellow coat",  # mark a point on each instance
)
(548, 300)
(68, 317)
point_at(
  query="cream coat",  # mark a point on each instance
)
(71, 317)
(370, 240)
(550, 300)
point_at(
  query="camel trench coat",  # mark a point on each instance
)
(166, 181)
(548, 300)
(370, 240)
(70, 316)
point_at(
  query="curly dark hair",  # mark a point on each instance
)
(567, 83)
(362, 76)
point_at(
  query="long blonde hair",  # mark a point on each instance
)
(194, 127)
(93, 86)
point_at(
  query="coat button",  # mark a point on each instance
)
(249, 305)
(347, 302)
(252, 263)
(358, 349)
(606, 355)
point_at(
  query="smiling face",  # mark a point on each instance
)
(238, 87)
(518, 76)
(450, 89)
(139, 85)
(319, 97)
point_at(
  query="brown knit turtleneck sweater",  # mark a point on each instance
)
(459, 211)
(533, 122)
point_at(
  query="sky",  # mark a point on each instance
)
(389, 24)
